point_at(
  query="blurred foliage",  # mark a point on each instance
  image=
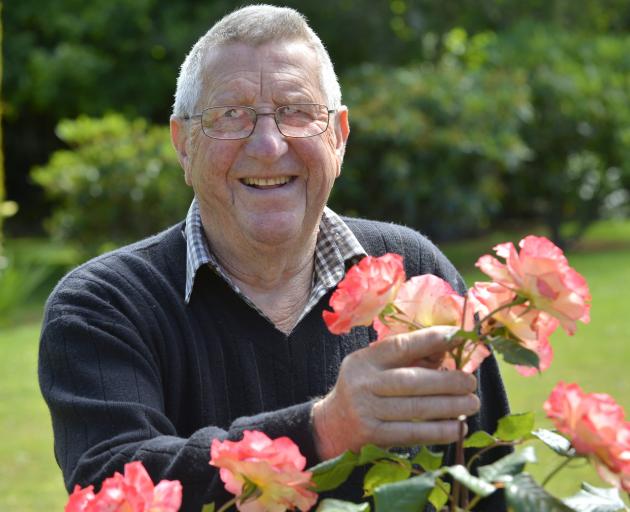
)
(32, 268)
(530, 78)
(18, 283)
(580, 92)
(526, 124)
(119, 182)
(430, 143)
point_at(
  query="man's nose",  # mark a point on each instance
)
(266, 142)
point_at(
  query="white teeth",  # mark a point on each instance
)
(266, 182)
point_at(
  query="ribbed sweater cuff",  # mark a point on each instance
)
(293, 422)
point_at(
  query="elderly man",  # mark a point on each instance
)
(215, 325)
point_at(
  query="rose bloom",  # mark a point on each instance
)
(473, 355)
(364, 292)
(530, 327)
(275, 466)
(133, 492)
(541, 273)
(428, 300)
(595, 424)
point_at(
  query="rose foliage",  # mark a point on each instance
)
(531, 293)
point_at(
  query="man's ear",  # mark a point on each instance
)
(181, 143)
(342, 131)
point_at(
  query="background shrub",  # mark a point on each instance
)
(119, 182)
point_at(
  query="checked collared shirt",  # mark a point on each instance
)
(336, 245)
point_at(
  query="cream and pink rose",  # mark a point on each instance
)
(275, 466)
(428, 300)
(530, 327)
(363, 293)
(596, 426)
(541, 273)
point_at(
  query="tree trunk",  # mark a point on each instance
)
(2, 190)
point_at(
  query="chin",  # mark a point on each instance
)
(278, 229)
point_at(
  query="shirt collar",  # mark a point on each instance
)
(336, 245)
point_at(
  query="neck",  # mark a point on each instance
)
(277, 278)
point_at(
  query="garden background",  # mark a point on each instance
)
(473, 121)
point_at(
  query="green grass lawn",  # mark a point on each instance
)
(29, 477)
(596, 357)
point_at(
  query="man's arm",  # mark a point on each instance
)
(106, 391)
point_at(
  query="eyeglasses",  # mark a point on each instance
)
(232, 122)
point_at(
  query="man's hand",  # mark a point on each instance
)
(382, 397)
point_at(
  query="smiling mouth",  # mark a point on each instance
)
(266, 183)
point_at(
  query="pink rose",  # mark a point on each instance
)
(542, 274)
(275, 466)
(364, 292)
(133, 492)
(472, 356)
(530, 327)
(424, 301)
(595, 424)
(80, 499)
(428, 300)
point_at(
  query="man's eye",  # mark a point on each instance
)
(232, 113)
(291, 110)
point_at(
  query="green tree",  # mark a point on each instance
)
(580, 88)
(430, 143)
(119, 182)
(68, 58)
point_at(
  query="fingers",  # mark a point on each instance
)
(408, 433)
(422, 382)
(381, 397)
(405, 349)
(425, 408)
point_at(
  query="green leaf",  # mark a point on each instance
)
(331, 505)
(370, 453)
(428, 460)
(439, 494)
(596, 499)
(8, 208)
(331, 473)
(388, 310)
(515, 426)
(479, 439)
(559, 444)
(384, 472)
(408, 495)
(505, 468)
(249, 492)
(515, 353)
(208, 507)
(463, 334)
(477, 485)
(523, 494)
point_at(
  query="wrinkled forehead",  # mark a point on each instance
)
(275, 68)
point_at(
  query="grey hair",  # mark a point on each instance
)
(253, 25)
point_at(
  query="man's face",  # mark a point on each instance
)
(226, 174)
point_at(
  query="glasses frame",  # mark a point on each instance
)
(199, 115)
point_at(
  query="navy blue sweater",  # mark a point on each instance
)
(131, 372)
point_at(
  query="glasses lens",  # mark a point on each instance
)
(228, 122)
(302, 120)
